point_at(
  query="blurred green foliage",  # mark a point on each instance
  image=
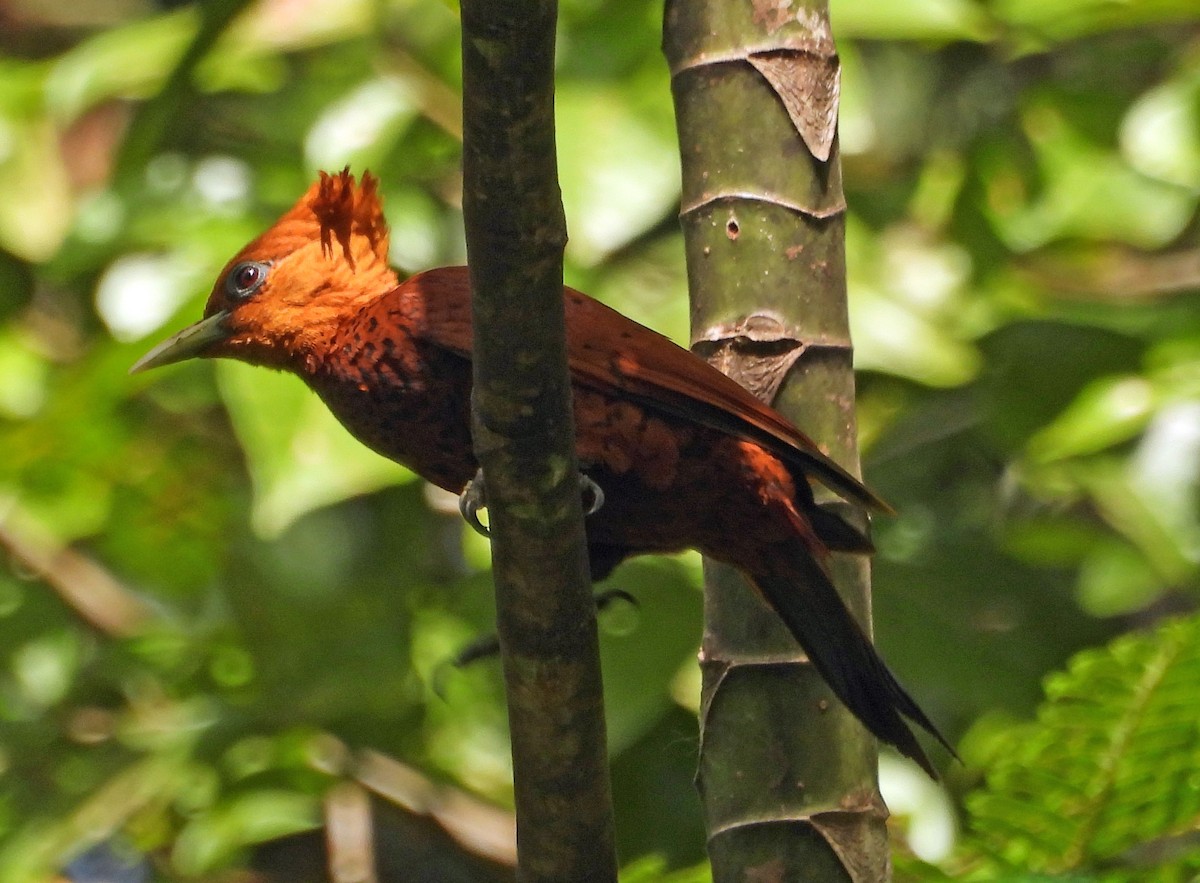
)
(1024, 266)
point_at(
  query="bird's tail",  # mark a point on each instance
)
(807, 602)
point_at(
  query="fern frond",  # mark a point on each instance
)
(1110, 769)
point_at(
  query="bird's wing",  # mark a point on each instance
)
(611, 353)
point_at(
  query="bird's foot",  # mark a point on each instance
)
(591, 494)
(474, 498)
(471, 500)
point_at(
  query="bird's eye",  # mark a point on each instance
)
(245, 279)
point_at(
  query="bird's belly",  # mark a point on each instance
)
(669, 484)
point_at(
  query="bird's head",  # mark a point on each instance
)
(276, 301)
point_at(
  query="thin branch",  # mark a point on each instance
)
(90, 590)
(524, 440)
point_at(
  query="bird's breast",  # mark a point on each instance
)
(409, 405)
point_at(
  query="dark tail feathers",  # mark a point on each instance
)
(809, 605)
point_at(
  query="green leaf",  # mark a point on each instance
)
(1108, 411)
(255, 817)
(643, 648)
(1052, 540)
(1108, 768)
(36, 211)
(43, 670)
(1164, 474)
(908, 313)
(910, 869)
(1137, 516)
(1161, 133)
(1115, 579)
(129, 60)
(1084, 190)
(22, 375)
(653, 869)
(891, 337)
(362, 125)
(911, 20)
(613, 195)
(40, 847)
(1066, 19)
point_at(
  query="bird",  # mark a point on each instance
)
(684, 456)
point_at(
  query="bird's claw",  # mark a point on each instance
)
(591, 494)
(488, 646)
(474, 497)
(471, 500)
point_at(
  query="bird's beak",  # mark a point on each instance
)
(187, 344)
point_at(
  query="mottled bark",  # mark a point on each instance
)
(525, 442)
(786, 774)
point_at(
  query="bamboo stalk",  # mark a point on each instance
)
(786, 774)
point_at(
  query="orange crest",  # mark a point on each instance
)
(344, 210)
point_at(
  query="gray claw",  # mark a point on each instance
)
(471, 500)
(474, 497)
(592, 493)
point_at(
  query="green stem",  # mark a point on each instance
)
(786, 774)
